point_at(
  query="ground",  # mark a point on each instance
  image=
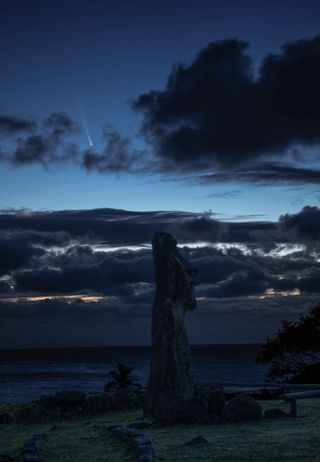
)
(88, 440)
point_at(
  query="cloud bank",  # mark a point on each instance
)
(70, 269)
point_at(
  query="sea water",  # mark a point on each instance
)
(25, 375)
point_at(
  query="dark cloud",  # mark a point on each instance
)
(265, 173)
(46, 145)
(16, 253)
(82, 270)
(304, 225)
(117, 156)
(60, 124)
(122, 228)
(200, 229)
(109, 226)
(215, 112)
(239, 284)
(4, 287)
(10, 125)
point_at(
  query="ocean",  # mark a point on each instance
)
(25, 375)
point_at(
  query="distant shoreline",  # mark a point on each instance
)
(193, 347)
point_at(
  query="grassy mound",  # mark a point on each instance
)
(88, 439)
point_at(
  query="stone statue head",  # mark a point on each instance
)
(175, 276)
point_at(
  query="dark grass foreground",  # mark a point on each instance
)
(88, 439)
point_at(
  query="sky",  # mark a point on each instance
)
(119, 119)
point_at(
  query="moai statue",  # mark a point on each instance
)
(171, 375)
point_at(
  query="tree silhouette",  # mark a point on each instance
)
(122, 379)
(293, 355)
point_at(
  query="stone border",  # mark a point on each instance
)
(138, 442)
(31, 449)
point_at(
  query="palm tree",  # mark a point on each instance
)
(121, 379)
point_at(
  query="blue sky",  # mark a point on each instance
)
(57, 56)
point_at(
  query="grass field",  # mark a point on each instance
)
(88, 440)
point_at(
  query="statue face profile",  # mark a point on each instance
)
(175, 276)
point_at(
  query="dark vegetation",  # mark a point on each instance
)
(122, 379)
(293, 354)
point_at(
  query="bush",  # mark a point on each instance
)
(293, 355)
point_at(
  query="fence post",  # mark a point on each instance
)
(293, 408)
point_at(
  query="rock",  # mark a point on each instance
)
(124, 432)
(243, 408)
(142, 446)
(192, 410)
(30, 457)
(198, 440)
(275, 413)
(171, 376)
(30, 451)
(216, 403)
(53, 428)
(140, 440)
(5, 419)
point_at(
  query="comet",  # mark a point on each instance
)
(85, 126)
(83, 119)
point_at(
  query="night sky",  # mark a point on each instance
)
(122, 118)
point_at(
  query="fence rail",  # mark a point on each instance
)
(292, 399)
(278, 385)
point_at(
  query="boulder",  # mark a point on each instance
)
(138, 442)
(141, 444)
(243, 408)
